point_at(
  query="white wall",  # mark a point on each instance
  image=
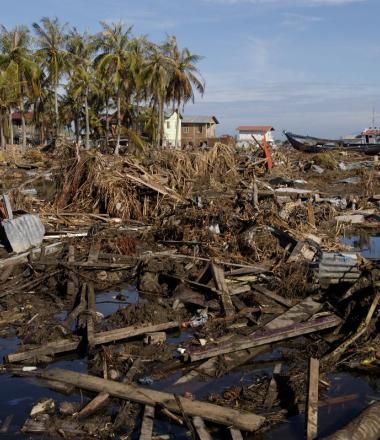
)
(246, 138)
(170, 132)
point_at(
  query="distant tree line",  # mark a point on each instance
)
(68, 78)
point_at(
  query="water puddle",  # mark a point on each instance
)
(110, 301)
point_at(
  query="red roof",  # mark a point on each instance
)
(16, 116)
(255, 128)
(371, 131)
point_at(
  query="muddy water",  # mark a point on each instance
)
(18, 395)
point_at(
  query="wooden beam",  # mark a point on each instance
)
(221, 285)
(91, 311)
(147, 423)
(93, 405)
(272, 389)
(266, 337)
(235, 434)
(272, 295)
(312, 400)
(214, 413)
(50, 348)
(130, 332)
(200, 427)
(93, 253)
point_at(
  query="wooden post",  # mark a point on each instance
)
(221, 285)
(200, 427)
(312, 400)
(272, 389)
(147, 423)
(91, 310)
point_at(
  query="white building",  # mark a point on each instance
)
(247, 133)
(172, 128)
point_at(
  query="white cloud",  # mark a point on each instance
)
(298, 21)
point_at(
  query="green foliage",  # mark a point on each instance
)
(67, 77)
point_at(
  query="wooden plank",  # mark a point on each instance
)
(147, 423)
(235, 434)
(272, 389)
(91, 310)
(221, 285)
(272, 295)
(312, 400)
(130, 332)
(226, 416)
(298, 313)
(93, 405)
(200, 427)
(50, 348)
(70, 289)
(266, 337)
(93, 254)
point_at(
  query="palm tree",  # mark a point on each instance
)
(16, 57)
(80, 49)
(8, 98)
(113, 63)
(185, 77)
(51, 40)
(157, 74)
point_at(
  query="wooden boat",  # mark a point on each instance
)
(309, 144)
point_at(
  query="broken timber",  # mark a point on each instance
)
(298, 313)
(312, 400)
(214, 413)
(221, 285)
(129, 332)
(67, 345)
(267, 337)
(147, 423)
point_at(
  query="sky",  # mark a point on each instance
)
(307, 66)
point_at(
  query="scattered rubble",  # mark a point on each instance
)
(230, 260)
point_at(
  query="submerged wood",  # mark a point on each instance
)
(214, 413)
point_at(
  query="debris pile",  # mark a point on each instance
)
(230, 266)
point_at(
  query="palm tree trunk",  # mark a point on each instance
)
(11, 134)
(117, 148)
(23, 126)
(107, 123)
(56, 108)
(76, 127)
(177, 127)
(2, 138)
(160, 123)
(87, 121)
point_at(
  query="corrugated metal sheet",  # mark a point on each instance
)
(24, 232)
(335, 268)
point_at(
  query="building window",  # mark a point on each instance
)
(168, 125)
(200, 128)
(186, 129)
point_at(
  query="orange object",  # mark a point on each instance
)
(267, 153)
